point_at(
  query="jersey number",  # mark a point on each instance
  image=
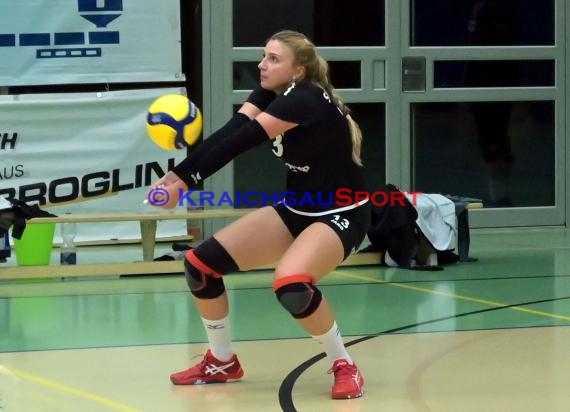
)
(342, 224)
(278, 146)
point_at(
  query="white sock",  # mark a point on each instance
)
(218, 332)
(333, 345)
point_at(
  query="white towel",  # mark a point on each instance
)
(436, 219)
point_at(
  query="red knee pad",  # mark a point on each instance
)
(201, 266)
(298, 295)
(204, 283)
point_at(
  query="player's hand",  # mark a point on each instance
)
(165, 192)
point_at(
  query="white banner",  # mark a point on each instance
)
(89, 41)
(84, 153)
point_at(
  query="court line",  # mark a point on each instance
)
(71, 390)
(453, 295)
(229, 286)
(472, 279)
(285, 394)
(36, 395)
(526, 248)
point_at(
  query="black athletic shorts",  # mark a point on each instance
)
(350, 225)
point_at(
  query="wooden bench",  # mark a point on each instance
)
(148, 221)
(148, 224)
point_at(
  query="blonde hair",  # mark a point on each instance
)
(317, 72)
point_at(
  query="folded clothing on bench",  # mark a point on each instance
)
(422, 233)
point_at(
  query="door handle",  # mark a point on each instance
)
(413, 74)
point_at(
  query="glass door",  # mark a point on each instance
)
(454, 97)
(483, 105)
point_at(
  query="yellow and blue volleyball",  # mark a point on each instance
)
(174, 122)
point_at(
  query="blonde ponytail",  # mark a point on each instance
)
(356, 136)
(322, 79)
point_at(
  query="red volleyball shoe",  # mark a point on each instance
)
(209, 370)
(348, 381)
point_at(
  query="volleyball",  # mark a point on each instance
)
(173, 122)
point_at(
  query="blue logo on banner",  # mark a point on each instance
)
(98, 12)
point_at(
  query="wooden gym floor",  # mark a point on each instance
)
(486, 336)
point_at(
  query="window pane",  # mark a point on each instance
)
(326, 22)
(246, 75)
(371, 118)
(501, 152)
(487, 73)
(482, 23)
(344, 75)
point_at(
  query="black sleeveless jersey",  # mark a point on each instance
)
(318, 152)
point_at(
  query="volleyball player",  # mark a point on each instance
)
(308, 235)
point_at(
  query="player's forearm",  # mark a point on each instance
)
(213, 156)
